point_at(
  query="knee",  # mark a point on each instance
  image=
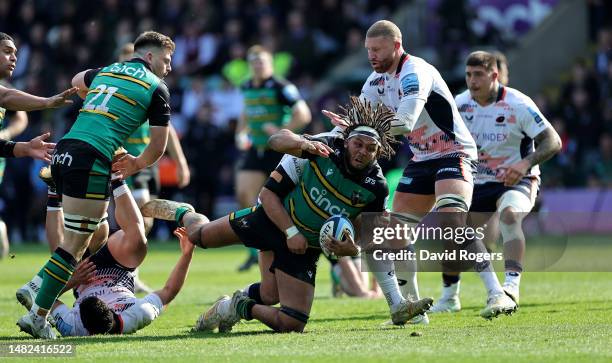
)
(291, 320)
(510, 216)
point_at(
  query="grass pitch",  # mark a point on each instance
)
(563, 317)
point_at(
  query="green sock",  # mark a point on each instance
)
(180, 212)
(55, 275)
(243, 308)
(253, 252)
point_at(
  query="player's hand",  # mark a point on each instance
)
(61, 99)
(127, 165)
(183, 175)
(297, 244)
(83, 274)
(186, 246)
(336, 119)
(316, 148)
(242, 141)
(513, 173)
(270, 129)
(36, 148)
(346, 247)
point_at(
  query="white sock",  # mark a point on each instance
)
(513, 278)
(34, 285)
(489, 278)
(384, 274)
(406, 272)
(451, 291)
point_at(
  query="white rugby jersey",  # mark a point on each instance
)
(114, 285)
(503, 131)
(439, 130)
(134, 314)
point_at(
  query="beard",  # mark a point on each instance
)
(383, 65)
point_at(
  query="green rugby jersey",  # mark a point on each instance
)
(315, 188)
(269, 102)
(138, 140)
(121, 98)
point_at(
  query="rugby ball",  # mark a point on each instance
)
(337, 226)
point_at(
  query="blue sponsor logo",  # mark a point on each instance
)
(535, 114)
(410, 84)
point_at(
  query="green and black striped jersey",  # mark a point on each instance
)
(121, 98)
(314, 188)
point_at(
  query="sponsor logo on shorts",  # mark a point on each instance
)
(63, 159)
(449, 170)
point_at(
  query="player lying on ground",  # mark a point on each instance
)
(347, 278)
(104, 281)
(508, 175)
(288, 220)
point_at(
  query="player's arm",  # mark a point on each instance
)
(36, 148)
(18, 123)
(158, 115)
(176, 153)
(547, 143)
(179, 273)
(83, 79)
(17, 100)
(415, 87)
(287, 142)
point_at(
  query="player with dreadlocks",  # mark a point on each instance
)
(334, 174)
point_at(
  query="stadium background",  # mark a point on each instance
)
(315, 43)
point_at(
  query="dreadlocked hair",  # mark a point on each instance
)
(361, 113)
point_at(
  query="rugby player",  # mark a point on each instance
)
(119, 99)
(270, 103)
(440, 175)
(505, 124)
(20, 102)
(337, 174)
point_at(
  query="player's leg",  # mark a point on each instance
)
(248, 185)
(513, 207)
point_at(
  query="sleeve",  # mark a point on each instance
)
(90, 75)
(142, 313)
(159, 109)
(530, 119)
(369, 92)
(66, 321)
(288, 94)
(286, 175)
(379, 204)
(415, 83)
(7, 149)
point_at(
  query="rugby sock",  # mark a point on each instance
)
(244, 308)
(53, 202)
(385, 276)
(253, 252)
(451, 285)
(119, 187)
(513, 278)
(406, 272)
(254, 292)
(180, 212)
(55, 275)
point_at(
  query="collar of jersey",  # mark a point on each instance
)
(403, 58)
(140, 60)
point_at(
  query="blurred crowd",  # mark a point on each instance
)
(58, 39)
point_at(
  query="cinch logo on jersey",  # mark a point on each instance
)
(63, 159)
(124, 68)
(318, 196)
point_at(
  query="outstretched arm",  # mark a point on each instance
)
(287, 142)
(16, 100)
(179, 273)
